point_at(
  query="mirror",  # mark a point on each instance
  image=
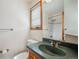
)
(55, 26)
(60, 20)
(53, 19)
(36, 16)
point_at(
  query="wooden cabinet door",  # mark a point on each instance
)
(33, 55)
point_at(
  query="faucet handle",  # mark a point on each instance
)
(59, 44)
(53, 43)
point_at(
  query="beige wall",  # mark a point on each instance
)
(13, 14)
(35, 34)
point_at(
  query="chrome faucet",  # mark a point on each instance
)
(53, 43)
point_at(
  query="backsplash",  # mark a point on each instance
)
(71, 38)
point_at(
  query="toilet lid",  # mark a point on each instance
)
(23, 55)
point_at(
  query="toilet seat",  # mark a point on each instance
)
(22, 55)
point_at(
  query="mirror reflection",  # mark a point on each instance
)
(53, 18)
(60, 20)
(36, 16)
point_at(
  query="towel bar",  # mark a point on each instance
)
(6, 29)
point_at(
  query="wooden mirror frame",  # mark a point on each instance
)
(39, 28)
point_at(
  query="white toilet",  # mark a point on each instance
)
(24, 55)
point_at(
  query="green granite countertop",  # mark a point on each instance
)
(70, 54)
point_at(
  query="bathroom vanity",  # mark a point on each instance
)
(44, 50)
